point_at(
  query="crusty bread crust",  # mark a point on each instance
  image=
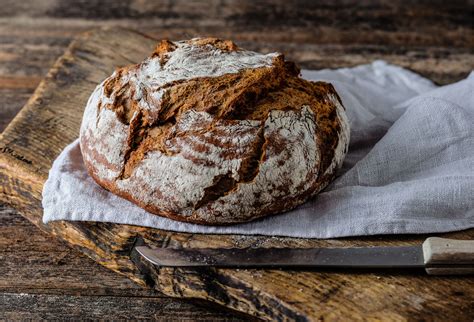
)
(207, 133)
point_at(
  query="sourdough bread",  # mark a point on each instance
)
(205, 132)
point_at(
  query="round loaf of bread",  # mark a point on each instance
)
(205, 132)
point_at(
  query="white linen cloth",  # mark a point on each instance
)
(410, 166)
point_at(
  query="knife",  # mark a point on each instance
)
(438, 256)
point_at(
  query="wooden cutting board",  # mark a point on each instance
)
(51, 119)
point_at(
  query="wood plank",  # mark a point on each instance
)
(32, 261)
(23, 306)
(39, 274)
(19, 82)
(51, 120)
(11, 102)
(427, 23)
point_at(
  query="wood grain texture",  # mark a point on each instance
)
(448, 257)
(41, 278)
(439, 251)
(406, 23)
(51, 119)
(34, 307)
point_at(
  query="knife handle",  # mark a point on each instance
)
(444, 256)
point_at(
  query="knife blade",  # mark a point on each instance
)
(436, 255)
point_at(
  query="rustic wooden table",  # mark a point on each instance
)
(41, 277)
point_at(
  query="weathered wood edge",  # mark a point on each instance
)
(22, 189)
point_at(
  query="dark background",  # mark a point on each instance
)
(42, 278)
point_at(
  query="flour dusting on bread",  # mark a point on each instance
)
(203, 131)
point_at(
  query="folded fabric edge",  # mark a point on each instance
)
(347, 231)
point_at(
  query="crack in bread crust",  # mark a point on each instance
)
(203, 118)
(225, 184)
(231, 96)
